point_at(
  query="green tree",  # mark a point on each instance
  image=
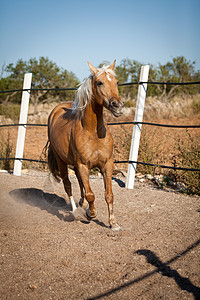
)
(46, 74)
(179, 70)
(128, 71)
(12, 82)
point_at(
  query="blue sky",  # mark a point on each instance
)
(72, 32)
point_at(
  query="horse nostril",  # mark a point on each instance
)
(114, 103)
(116, 107)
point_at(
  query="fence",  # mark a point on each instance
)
(132, 162)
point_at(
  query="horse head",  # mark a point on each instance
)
(105, 88)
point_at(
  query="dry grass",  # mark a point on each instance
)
(164, 146)
(6, 150)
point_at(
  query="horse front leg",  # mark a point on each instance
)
(83, 202)
(107, 171)
(89, 195)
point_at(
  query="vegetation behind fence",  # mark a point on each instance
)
(177, 71)
(46, 74)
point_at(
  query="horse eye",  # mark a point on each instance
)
(99, 83)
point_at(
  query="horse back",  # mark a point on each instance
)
(60, 109)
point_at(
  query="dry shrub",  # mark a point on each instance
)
(6, 151)
(185, 153)
(196, 106)
(188, 156)
(160, 146)
(10, 111)
(148, 154)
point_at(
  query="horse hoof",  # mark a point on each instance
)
(83, 203)
(115, 227)
(90, 214)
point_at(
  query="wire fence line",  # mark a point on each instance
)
(28, 124)
(116, 162)
(155, 124)
(112, 123)
(120, 84)
(25, 159)
(159, 82)
(39, 89)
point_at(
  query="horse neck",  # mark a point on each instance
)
(93, 119)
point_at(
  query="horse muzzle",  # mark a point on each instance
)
(116, 107)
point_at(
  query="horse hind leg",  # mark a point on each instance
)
(62, 168)
(68, 188)
(78, 212)
(63, 173)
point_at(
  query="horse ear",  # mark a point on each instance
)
(112, 67)
(92, 68)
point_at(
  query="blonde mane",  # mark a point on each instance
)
(105, 69)
(84, 92)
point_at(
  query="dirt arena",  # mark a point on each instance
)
(47, 254)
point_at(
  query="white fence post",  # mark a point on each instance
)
(137, 127)
(22, 120)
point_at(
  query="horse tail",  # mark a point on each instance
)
(52, 162)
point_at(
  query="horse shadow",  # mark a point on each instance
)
(49, 202)
(53, 204)
(119, 182)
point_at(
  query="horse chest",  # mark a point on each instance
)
(95, 152)
(99, 152)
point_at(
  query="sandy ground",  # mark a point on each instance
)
(47, 254)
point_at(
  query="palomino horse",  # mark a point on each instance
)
(79, 136)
